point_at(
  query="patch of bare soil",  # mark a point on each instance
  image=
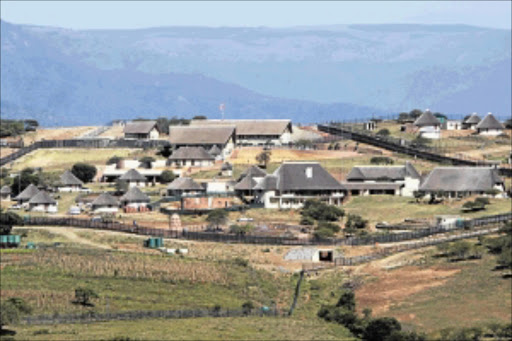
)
(387, 288)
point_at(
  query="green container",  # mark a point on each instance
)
(31, 245)
(159, 242)
(3, 239)
(152, 243)
(17, 239)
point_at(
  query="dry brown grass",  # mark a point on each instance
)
(55, 133)
(247, 155)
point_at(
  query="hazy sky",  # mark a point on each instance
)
(134, 14)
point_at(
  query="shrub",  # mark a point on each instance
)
(241, 262)
(355, 222)
(482, 200)
(114, 160)
(241, 229)
(11, 311)
(217, 217)
(146, 161)
(323, 233)
(320, 211)
(381, 160)
(307, 220)
(83, 296)
(167, 176)
(381, 328)
(84, 171)
(383, 132)
(247, 307)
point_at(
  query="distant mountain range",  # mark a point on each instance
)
(308, 74)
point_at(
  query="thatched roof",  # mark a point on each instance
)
(372, 173)
(427, 119)
(254, 172)
(139, 127)
(105, 199)
(5, 190)
(42, 198)
(461, 179)
(201, 135)
(135, 195)
(473, 119)
(250, 127)
(191, 153)
(226, 166)
(27, 193)
(69, 179)
(246, 184)
(215, 151)
(184, 184)
(132, 175)
(490, 122)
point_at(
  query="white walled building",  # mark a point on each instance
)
(489, 126)
(428, 126)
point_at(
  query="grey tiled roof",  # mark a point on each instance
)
(132, 175)
(42, 198)
(461, 179)
(200, 135)
(184, 184)
(27, 193)
(372, 185)
(291, 176)
(382, 172)
(68, 178)
(191, 153)
(139, 127)
(134, 194)
(215, 150)
(268, 183)
(427, 119)
(490, 122)
(250, 127)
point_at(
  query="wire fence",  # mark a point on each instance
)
(387, 251)
(202, 235)
(84, 143)
(141, 314)
(407, 147)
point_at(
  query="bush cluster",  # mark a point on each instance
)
(367, 328)
(381, 160)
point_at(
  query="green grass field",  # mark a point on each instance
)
(63, 158)
(243, 328)
(393, 209)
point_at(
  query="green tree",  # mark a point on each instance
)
(320, 211)
(217, 217)
(11, 310)
(355, 222)
(83, 296)
(26, 177)
(241, 229)
(381, 328)
(162, 124)
(199, 117)
(8, 220)
(167, 176)
(146, 161)
(263, 158)
(383, 132)
(114, 160)
(84, 171)
(381, 160)
(415, 113)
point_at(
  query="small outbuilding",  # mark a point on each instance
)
(489, 126)
(471, 122)
(428, 126)
(134, 198)
(191, 156)
(69, 182)
(105, 203)
(226, 169)
(26, 194)
(5, 193)
(184, 186)
(141, 130)
(42, 202)
(134, 178)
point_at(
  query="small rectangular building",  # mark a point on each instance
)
(141, 130)
(191, 156)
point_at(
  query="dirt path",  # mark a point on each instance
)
(71, 235)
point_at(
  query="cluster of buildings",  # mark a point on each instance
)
(430, 126)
